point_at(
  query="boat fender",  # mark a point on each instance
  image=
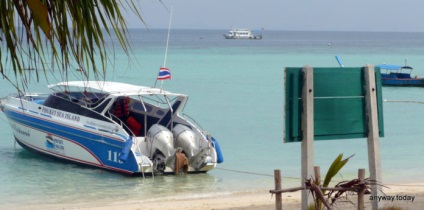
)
(220, 157)
(181, 163)
(126, 149)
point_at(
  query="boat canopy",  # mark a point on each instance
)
(240, 30)
(113, 88)
(393, 67)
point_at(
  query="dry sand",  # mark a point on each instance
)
(257, 200)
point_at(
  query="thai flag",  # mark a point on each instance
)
(164, 73)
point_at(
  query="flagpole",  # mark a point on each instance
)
(167, 43)
(167, 40)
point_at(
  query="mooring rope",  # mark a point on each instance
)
(253, 173)
(298, 178)
(400, 101)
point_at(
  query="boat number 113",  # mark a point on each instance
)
(113, 156)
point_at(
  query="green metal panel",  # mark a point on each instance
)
(339, 103)
(338, 118)
(293, 105)
(378, 85)
(335, 82)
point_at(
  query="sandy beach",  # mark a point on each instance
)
(251, 200)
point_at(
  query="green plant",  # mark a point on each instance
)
(67, 30)
(318, 193)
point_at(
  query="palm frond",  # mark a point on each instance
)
(65, 31)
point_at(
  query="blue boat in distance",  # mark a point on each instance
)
(397, 75)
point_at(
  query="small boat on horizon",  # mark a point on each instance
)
(398, 75)
(115, 126)
(240, 33)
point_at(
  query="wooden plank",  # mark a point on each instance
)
(307, 132)
(374, 161)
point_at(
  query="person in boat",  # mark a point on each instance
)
(122, 112)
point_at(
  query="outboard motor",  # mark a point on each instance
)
(160, 144)
(185, 139)
(201, 159)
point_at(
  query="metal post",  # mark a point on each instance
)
(374, 161)
(308, 132)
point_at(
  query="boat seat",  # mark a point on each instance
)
(134, 125)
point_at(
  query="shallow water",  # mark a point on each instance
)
(236, 90)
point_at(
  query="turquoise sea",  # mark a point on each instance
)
(236, 90)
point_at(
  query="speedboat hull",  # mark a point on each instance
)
(242, 37)
(93, 134)
(419, 82)
(69, 142)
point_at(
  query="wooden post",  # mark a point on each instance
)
(307, 132)
(361, 177)
(278, 199)
(317, 173)
(374, 161)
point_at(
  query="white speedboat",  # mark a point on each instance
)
(121, 127)
(241, 34)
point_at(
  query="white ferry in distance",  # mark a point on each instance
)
(241, 34)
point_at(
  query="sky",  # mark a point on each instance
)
(287, 15)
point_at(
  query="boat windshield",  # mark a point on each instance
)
(140, 112)
(160, 103)
(88, 99)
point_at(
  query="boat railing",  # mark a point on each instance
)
(121, 123)
(38, 98)
(207, 135)
(28, 96)
(192, 121)
(126, 128)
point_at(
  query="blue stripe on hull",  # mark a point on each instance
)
(29, 148)
(103, 148)
(403, 82)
